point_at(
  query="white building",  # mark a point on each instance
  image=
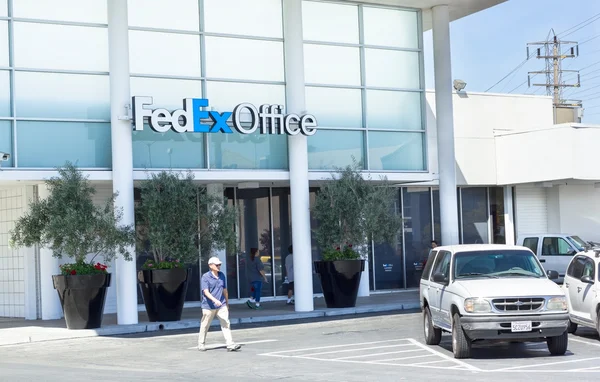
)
(69, 70)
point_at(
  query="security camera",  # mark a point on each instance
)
(459, 85)
(4, 156)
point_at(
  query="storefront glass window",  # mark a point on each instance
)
(179, 53)
(497, 211)
(4, 43)
(54, 95)
(50, 144)
(6, 141)
(64, 47)
(5, 93)
(393, 28)
(393, 110)
(474, 215)
(231, 270)
(231, 17)
(282, 235)
(330, 22)
(328, 149)
(167, 150)
(396, 151)
(416, 204)
(388, 266)
(164, 14)
(392, 69)
(332, 65)
(437, 224)
(335, 107)
(254, 59)
(88, 11)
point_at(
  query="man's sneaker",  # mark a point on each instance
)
(250, 305)
(201, 348)
(234, 348)
(290, 303)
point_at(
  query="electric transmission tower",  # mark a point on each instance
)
(552, 51)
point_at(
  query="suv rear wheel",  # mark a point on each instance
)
(433, 335)
(558, 345)
(461, 344)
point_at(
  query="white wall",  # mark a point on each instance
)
(580, 211)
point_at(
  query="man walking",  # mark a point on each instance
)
(289, 270)
(215, 302)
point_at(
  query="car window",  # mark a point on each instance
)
(497, 264)
(442, 264)
(428, 265)
(588, 268)
(531, 243)
(575, 269)
(555, 246)
(578, 243)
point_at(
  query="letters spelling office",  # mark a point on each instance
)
(276, 94)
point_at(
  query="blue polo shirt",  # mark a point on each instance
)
(215, 286)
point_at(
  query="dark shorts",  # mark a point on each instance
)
(291, 286)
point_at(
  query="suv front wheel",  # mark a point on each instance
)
(461, 344)
(558, 345)
(433, 335)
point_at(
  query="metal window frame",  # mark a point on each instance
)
(273, 281)
(403, 237)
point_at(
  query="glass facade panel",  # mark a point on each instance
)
(167, 150)
(330, 22)
(54, 95)
(244, 59)
(89, 11)
(164, 14)
(392, 69)
(316, 250)
(179, 54)
(396, 151)
(254, 151)
(5, 93)
(166, 93)
(333, 65)
(231, 270)
(388, 261)
(497, 212)
(3, 8)
(394, 110)
(335, 107)
(231, 17)
(474, 215)
(389, 27)
(282, 235)
(224, 96)
(6, 141)
(328, 149)
(437, 224)
(4, 43)
(64, 47)
(416, 204)
(50, 144)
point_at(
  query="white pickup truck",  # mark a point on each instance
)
(554, 251)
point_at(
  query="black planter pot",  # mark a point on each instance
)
(340, 280)
(164, 292)
(82, 298)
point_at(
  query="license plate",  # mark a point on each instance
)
(521, 326)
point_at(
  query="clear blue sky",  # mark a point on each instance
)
(489, 44)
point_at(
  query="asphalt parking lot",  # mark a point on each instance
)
(382, 348)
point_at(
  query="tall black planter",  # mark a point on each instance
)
(82, 298)
(340, 280)
(164, 292)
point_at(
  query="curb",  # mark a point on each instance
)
(53, 334)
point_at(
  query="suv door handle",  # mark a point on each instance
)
(542, 261)
(566, 285)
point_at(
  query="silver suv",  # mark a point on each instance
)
(491, 292)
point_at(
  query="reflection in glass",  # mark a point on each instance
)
(50, 144)
(171, 94)
(437, 224)
(244, 59)
(86, 11)
(3, 8)
(224, 96)
(179, 54)
(333, 65)
(497, 211)
(396, 151)
(252, 151)
(254, 233)
(164, 14)
(315, 249)
(4, 93)
(335, 107)
(330, 22)
(54, 95)
(416, 204)
(4, 43)
(6, 140)
(167, 150)
(231, 271)
(328, 149)
(388, 264)
(394, 110)
(232, 17)
(474, 215)
(392, 69)
(282, 235)
(66, 47)
(388, 27)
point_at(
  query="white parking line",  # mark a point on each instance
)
(547, 364)
(376, 354)
(330, 347)
(403, 358)
(463, 364)
(357, 349)
(583, 341)
(587, 368)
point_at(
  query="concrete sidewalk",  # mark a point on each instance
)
(18, 331)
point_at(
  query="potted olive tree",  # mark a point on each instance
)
(70, 224)
(351, 212)
(179, 220)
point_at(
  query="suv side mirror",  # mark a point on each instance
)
(552, 275)
(571, 252)
(440, 278)
(587, 279)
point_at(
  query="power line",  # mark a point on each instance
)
(511, 72)
(587, 22)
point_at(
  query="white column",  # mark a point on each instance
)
(509, 216)
(29, 265)
(51, 309)
(298, 157)
(122, 156)
(445, 124)
(217, 190)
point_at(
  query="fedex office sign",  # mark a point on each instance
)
(267, 119)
